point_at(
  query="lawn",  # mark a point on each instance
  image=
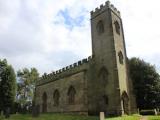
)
(73, 117)
(133, 117)
(51, 117)
(153, 117)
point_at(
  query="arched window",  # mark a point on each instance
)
(100, 27)
(56, 97)
(120, 55)
(103, 75)
(44, 102)
(117, 27)
(71, 95)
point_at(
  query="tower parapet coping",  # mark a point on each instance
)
(103, 7)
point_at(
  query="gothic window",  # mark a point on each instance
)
(117, 27)
(103, 75)
(120, 55)
(56, 97)
(71, 95)
(105, 99)
(44, 102)
(100, 27)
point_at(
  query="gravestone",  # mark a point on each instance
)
(35, 111)
(155, 111)
(102, 116)
(7, 112)
(2, 113)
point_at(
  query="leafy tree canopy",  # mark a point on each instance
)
(26, 85)
(146, 83)
(7, 84)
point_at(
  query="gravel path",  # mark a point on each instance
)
(143, 118)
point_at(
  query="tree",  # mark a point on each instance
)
(26, 85)
(7, 85)
(146, 83)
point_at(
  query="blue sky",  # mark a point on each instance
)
(51, 34)
(69, 21)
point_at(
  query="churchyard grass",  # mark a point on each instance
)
(50, 117)
(153, 117)
(133, 117)
(73, 117)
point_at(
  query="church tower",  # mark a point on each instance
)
(108, 89)
(99, 83)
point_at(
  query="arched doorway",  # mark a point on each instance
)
(44, 103)
(103, 103)
(125, 102)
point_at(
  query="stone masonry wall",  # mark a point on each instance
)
(62, 85)
(73, 75)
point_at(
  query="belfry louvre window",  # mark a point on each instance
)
(117, 27)
(100, 27)
(71, 95)
(56, 97)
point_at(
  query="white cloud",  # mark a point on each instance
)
(33, 34)
(141, 25)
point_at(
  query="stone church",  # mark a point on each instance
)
(98, 83)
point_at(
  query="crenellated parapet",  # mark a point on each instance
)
(104, 7)
(71, 69)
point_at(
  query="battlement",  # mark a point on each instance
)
(63, 72)
(103, 7)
